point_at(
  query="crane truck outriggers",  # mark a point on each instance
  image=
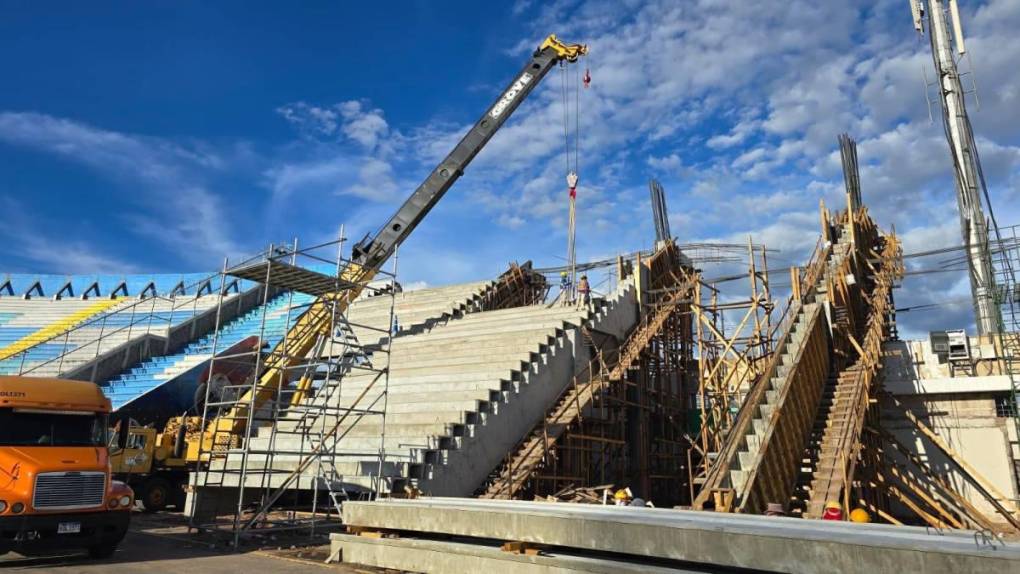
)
(193, 445)
(56, 489)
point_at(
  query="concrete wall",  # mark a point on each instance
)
(956, 400)
(908, 362)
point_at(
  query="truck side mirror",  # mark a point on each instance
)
(122, 433)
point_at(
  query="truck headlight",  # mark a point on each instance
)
(125, 500)
(17, 507)
(3, 506)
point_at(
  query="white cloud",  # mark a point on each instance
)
(737, 135)
(366, 127)
(351, 119)
(313, 119)
(159, 181)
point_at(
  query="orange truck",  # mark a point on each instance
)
(56, 489)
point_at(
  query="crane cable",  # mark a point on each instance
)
(570, 286)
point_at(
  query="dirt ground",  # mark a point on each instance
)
(161, 543)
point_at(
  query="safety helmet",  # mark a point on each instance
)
(622, 494)
(860, 515)
(833, 511)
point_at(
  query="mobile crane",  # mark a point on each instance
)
(182, 443)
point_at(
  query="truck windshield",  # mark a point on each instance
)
(21, 428)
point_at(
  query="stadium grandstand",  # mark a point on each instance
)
(146, 339)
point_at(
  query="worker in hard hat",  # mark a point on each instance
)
(623, 497)
(833, 511)
(860, 515)
(584, 290)
(564, 288)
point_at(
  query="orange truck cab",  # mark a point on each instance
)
(55, 485)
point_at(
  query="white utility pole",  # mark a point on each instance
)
(962, 148)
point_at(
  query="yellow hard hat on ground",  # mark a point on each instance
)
(859, 515)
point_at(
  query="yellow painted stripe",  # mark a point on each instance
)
(55, 328)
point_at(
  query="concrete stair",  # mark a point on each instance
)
(461, 392)
(747, 454)
(749, 458)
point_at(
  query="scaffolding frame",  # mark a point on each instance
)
(1006, 265)
(730, 359)
(309, 401)
(626, 417)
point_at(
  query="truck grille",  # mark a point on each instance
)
(66, 490)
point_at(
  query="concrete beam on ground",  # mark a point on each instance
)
(741, 541)
(417, 555)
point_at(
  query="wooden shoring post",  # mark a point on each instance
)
(879, 512)
(932, 521)
(850, 219)
(824, 218)
(892, 489)
(968, 510)
(639, 285)
(768, 299)
(702, 381)
(728, 347)
(919, 492)
(990, 493)
(884, 465)
(753, 276)
(795, 283)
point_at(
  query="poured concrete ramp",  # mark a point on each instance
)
(706, 538)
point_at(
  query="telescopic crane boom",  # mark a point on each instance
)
(374, 252)
(371, 253)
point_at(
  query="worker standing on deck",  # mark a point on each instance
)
(584, 291)
(565, 298)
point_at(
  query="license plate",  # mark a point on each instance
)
(69, 528)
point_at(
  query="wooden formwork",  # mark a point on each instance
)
(621, 419)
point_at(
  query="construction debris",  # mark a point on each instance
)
(581, 495)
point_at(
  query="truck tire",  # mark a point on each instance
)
(104, 550)
(156, 494)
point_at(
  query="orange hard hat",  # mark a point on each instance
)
(859, 515)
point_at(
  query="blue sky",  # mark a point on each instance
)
(155, 137)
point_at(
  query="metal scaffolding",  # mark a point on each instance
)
(291, 449)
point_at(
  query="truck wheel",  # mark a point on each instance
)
(156, 494)
(100, 551)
